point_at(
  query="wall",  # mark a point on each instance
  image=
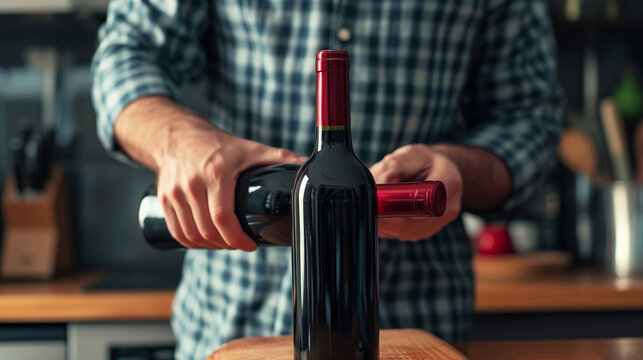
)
(104, 193)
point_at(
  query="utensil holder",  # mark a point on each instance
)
(618, 228)
(37, 238)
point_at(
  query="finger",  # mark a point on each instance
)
(380, 175)
(272, 155)
(174, 227)
(186, 219)
(391, 228)
(408, 229)
(221, 206)
(197, 200)
(396, 168)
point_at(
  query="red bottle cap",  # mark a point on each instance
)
(428, 198)
(332, 60)
(333, 108)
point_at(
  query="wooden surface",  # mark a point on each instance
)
(592, 349)
(65, 300)
(520, 267)
(566, 291)
(37, 238)
(394, 344)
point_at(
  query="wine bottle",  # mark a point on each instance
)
(335, 252)
(263, 205)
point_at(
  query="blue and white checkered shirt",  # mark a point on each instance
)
(479, 72)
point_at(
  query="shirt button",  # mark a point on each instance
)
(344, 34)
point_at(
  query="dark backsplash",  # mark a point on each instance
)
(104, 193)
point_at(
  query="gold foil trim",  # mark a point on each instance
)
(333, 127)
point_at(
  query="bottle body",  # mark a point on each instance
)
(335, 251)
(335, 259)
(262, 206)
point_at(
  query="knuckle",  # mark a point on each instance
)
(210, 234)
(220, 216)
(177, 235)
(394, 164)
(282, 153)
(192, 186)
(192, 235)
(174, 192)
(406, 149)
(216, 166)
(165, 201)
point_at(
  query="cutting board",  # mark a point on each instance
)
(408, 344)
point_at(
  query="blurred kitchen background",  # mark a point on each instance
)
(45, 52)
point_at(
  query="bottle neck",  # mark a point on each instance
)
(333, 110)
(335, 136)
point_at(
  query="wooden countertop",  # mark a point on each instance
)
(580, 290)
(66, 299)
(591, 349)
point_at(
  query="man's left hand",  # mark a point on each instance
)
(419, 162)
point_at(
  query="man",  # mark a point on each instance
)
(458, 91)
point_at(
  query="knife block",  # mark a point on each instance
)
(37, 238)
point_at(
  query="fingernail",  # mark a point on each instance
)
(250, 249)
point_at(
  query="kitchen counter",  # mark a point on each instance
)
(67, 300)
(580, 290)
(598, 349)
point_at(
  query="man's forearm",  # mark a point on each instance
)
(145, 126)
(486, 179)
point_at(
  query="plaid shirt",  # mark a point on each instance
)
(423, 71)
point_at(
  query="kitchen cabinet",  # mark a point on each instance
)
(50, 350)
(61, 317)
(101, 341)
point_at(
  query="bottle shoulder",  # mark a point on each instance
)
(335, 168)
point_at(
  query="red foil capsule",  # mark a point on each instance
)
(428, 198)
(333, 108)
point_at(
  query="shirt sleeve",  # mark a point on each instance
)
(513, 105)
(145, 48)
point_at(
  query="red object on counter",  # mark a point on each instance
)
(494, 239)
(428, 198)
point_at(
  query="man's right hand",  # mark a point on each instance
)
(197, 166)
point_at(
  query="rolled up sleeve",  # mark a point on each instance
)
(514, 104)
(145, 48)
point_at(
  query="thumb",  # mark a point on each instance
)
(400, 166)
(381, 173)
